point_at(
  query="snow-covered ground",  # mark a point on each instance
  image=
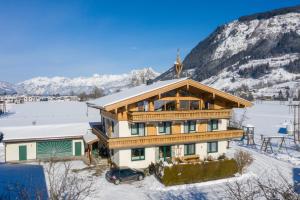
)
(150, 188)
(48, 113)
(265, 116)
(1, 152)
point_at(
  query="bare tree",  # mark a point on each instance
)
(64, 184)
(275, 187)
(238, 122)
(243, 159)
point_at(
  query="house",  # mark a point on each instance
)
(170, 119)
(44, 141)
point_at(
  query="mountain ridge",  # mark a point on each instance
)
(259, 51)
(65, 86)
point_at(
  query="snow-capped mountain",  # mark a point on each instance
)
(6, 88)
(260, 52)
(66, 86)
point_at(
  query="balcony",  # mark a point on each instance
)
(157, 140)
(178, 115)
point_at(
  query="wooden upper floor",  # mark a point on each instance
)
(181, 103)
(168, 139)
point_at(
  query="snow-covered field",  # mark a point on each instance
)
(265, 116)
(48, 113)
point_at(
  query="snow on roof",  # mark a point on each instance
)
(249, 126)
(54, 131)
(132, 92)
(48, 112)
(90, 137)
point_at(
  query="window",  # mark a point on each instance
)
(189, 149)
(212, 147)
(184, 105)
(159, 105)
(209, 104)
(143, 106)
(189, 126)
(213, 125)
(165, 127)
(206, 105)
(112, 126)
(170, 105)
(138, 129)
(140, 106)
(165, 152)
(138, 154)
(194, 105)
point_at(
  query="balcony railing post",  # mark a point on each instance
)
(178, 115)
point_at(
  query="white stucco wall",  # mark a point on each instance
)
(223, 124)
(124, 129)
(115, 158)
(12, 151)
(82, 146)
(201, 150)
(124, 158)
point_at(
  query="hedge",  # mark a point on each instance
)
(200, 172)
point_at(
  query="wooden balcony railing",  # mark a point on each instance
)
(178, 115)
(143, 141)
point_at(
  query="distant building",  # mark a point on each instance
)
(19, 99)
(2, 107)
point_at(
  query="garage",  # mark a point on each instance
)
(56, 149)
(63, 141)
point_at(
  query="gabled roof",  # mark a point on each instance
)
(131, 92)
(141, 92)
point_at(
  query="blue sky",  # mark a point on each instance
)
(80, 38)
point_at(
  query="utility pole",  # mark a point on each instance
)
(296, 121)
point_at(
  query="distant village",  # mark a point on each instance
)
(19, 99)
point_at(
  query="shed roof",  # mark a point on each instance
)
(90, 137)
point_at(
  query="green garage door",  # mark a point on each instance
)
(57, 148)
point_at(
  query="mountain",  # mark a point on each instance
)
(6, 88)
(66, 86)
(258, 53)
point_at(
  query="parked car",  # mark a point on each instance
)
(119, 175)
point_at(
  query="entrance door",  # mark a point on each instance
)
(23, 152)
(77, 148)
(165, 152)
